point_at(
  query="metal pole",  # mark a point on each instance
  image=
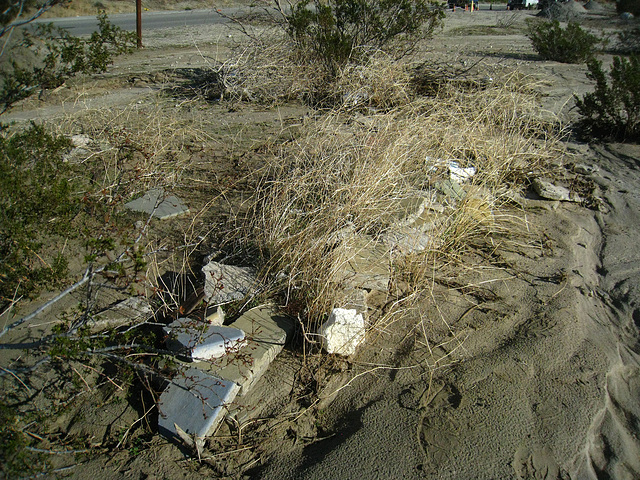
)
(139, 22)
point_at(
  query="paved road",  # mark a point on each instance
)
(150, 20)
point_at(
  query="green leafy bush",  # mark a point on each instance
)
(36, 198)
(337, 31)
(613, 109)
(59, 56)
(567, 45)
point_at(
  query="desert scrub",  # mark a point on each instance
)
(613, 109)
(338, 191)
(55, 55)
(37, 198)
(339, 31)
(567, 45)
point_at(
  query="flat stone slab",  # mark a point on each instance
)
(266, 334)
(367, 265)
(226, 283)
(196, 402)
(548, 190)
(158, 203)
(407, 240)
(203, 341)
(129, 311)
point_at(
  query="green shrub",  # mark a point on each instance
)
(59, 56)
(569, 45)
(337, 31)
(629, 41)
(36, 199)
(613, 109)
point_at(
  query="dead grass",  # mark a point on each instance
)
(341, 189)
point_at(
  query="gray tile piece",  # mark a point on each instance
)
(203, 341)
(226, 283)
(161, 204)
(196, 401)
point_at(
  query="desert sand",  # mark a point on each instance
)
(532, 370)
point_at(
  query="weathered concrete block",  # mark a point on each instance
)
(162, 205)
(226, 283)
(266, 334)
(343, 331)
(203, 341)
(366, 265)
(407, 240)
(196, 402)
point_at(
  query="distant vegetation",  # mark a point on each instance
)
(612, 111)
(570, 44)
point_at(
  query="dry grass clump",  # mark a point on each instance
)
(125, 152)
(268, 69)
(381, 84)
(265, 69)
(135, 148)
(338, 194)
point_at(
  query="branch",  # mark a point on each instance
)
(19, 23)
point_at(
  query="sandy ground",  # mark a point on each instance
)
(534, 372)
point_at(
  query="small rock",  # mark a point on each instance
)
(451, 189)
(356, 299)
(549, 191)
(226, 283)
(217, 317)
(583, 169)
(343, 331)
(127, 312)
(81, 141)
(407, 240)
(460, 174)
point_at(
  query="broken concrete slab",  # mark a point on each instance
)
(451, 190)
(366, 264)
(159, 204)
(460, 174)
(195, 402)
(343, 331)
(407, 240)
(203, 341)
(266, 332)
(549, 191)
(130, 311)
(226, 283)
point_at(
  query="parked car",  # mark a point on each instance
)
(463, 3)
(520, 4)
